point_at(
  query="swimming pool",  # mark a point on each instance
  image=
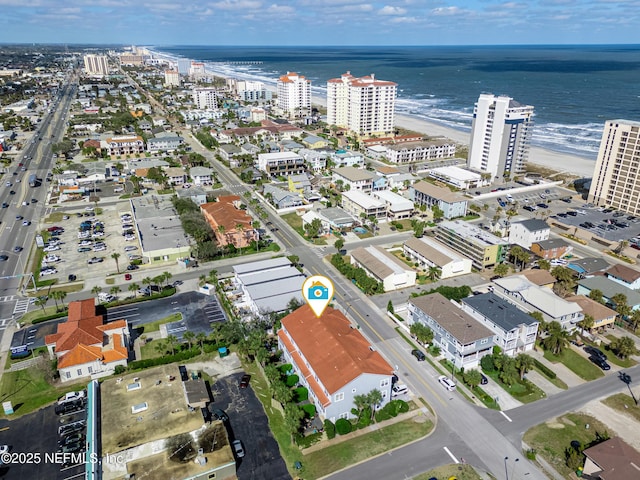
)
(360, 230)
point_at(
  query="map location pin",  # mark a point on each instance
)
(318, 292)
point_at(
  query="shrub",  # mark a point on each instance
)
(287, 367)
(120, 369)
(292, 380)
(300, 394)
(544, 369)
(365, 418)
(392, 409)
(309, 410)
(306, 442)
(330, 429)
(343, 426)
(487, 364)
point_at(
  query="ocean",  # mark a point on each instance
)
(574, 89)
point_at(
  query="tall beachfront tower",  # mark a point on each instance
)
(96, 65)
(294, 94)
(365, 105)
(616, 179)
(500, 135)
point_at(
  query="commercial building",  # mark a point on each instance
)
(333, 360)
(616, 182)
(85, 346)
(483, 248)
(364, 106)
(452, 204)
(500, 136)
(125, 145)
(171, 78)
(294, 94)
(428, 253)
(413, 152)
(267, 286)
(457, 177)
(527, 232)
(515, 330)
(384, 267)
(96, 65)
(461, 338)
(205, 98)
(230, 224)
(281, 164)
(530, 297)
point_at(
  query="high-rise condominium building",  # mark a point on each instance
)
(616, 180)
(365, 105)
(205, 98)
(500, 135)
(96, 65)
(171, 78)
(294, 94)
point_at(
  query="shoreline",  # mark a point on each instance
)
(560, 162)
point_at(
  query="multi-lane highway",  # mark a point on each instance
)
(36, 159)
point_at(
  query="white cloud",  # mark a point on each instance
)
(447, 11)
(391, 10)
(236, 4)
(404, 20)
(280, 9)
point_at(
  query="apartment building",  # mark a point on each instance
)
(125, 145)
(527, 232)
(352, 178)
(383, 267)
(457, 177)
(364, 106)
(500, 136)
(461, 338)
(96, 65)
(294, 94)
(452, 204)
(398, 207)
(616, 181)
(483, 248)
(205, 98)
(420, 151)
(281, 164)
(171, 78)
(359, 204)
(428, 252)
(230, 224)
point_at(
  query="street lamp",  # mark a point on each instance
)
(513, 470)
(506, 472)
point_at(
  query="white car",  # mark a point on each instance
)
(71, 396)
(130, 248)
(85, 243)
(99, 248)
(26, 223)
(88, 209)
(48, 272)
(51, 248)
(398, 390)
(97, 234)
(83, 235)
(51, 258)
(447, 383)
(130, 238)
(237, 448)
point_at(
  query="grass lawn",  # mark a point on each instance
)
(54, 217)
(338, 456)
(556, 381)
(295, 221)
(576, 363)
(550, 439)
(525, 391)
(28, 390)
(155, 326)
(34, 353)
(461, 472)
(613, 358)
(148, 350)
(76, 287)
(623, 403)
(29, 317)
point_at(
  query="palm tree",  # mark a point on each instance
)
(434, 273)
(586, 323)
(172, 343)
(190, 337)
(240, 229)
(201, 337)
(61, 296)
(115, 290)
(596, 295)
(116, 256)
(623, 347)
(544, 264)
(96, 290)
(167, 276)
(41, 302)
(501, 270)
(55, 295)
(557, 338)
(202, 279)
(147, 281)
(375, 398)
(523, 363)
(472, 377)
(134, 287)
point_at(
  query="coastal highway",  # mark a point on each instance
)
(37, 159)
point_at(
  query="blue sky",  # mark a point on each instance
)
(319, 22)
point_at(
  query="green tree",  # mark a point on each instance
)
(41, 302)
(116, 256)
(55, 295)
(509, 372)
(434, 273)
(619, 300)
(134, 287)
(501, 270)
(557, 338)
(313, 228)
(201, 337)
(189, 337)
(115, 290)
(472, 377)
(172, 343)
(596, 295)
(339, 243)
(293, 416)
(390, 307)
(544, 264)
(438, 213)
(96, 289)
(374, 397)
(167, 276)
(421, 332)
(623, 347)
(361, 402)
(586, 323)
(523, 363)
(281, 392)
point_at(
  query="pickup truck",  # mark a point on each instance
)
(72, 396)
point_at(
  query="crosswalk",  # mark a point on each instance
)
(9, 298)
(22, 305)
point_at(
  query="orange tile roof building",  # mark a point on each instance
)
(294, 94)
(230, 224)
(85, 346)
(333, 360)
(125, 145)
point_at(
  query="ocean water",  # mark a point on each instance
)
(574, 89)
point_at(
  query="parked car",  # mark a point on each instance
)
(48, 272)
(132, 267)
(51, 248)
(127, 276)
(93, 260)
(130, 248)
(69, 407)
(483, 380)
(85, 243)
(595, 352)
(244, 380)
(51, 229)
(237, 448)
(84, 249)
(219, 414)
(419, 355)
(447, 383)
(398, 389)
(599, 361)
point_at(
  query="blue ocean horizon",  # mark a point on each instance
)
(574, 88)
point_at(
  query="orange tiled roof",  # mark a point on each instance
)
(224, 213)
(337, 352)
(82, 309)
(115, 351)
(79, 355)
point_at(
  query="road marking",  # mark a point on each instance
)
(9, 298)
(22, 306)
(451, 455)
(505, 416)
(126, 310)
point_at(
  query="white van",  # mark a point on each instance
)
(447, 383)
(399, 389)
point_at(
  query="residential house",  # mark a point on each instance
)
(583, 267)
(529, 297)
(250, 149)
(398, 207)
(347, 158)
(402, 181)
(613, 459)
(384, 267)
(333, 360)
(125, 145)
(195, 194)
(300, 183)
(360, 205)
(315, 160)
(609, 288)
(550, 249)
(230, 224)
(515, 331)
(281, 198)
(352, 179)
(201, 175)
(229, 152)
(333, 219)
(603, 316)
(379, 182)
(452, 204)
(86, 346)
(483, 248)
(164, 144)
(281, 164)
(290, 146)
(315, 142)
(429, 253)
(176, 175)
(526, 232)
(540, 277)
(627, 276)
(461, 338)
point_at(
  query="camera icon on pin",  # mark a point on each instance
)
(318, 291)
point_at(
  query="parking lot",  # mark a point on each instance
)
(87, 243)
(248, 423)
(607, 224)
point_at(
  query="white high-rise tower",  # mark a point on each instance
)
(294, 94)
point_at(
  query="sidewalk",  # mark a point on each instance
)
(541, 382)
(504, 399)
(563, 373)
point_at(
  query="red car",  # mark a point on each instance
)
(51, 229)
(244, 381)
(127, 276)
